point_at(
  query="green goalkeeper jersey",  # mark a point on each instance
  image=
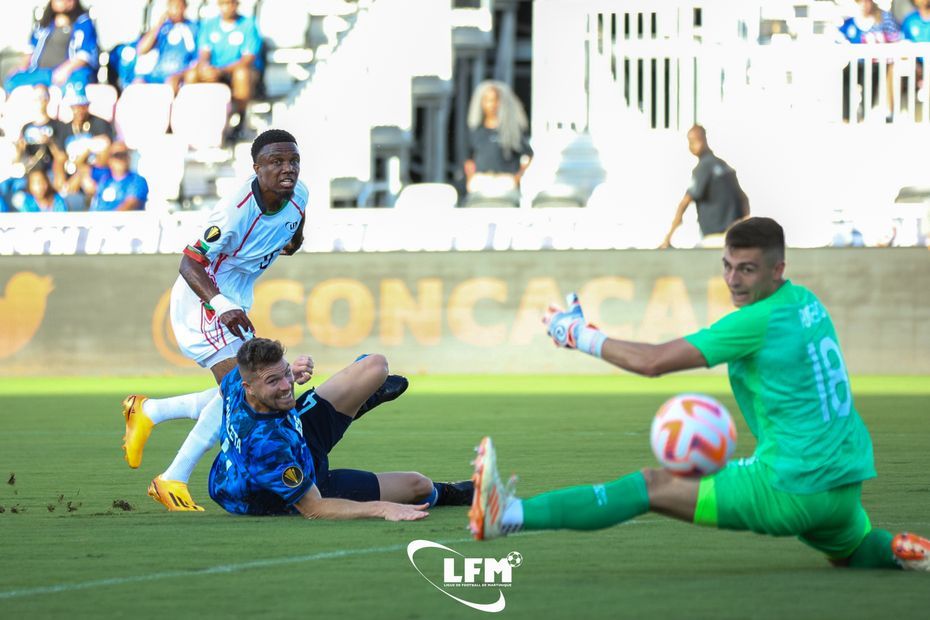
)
(790, 381)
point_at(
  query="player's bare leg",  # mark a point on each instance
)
(410, 487)
(671, 495)
(348, 389)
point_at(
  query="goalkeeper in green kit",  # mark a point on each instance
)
(788, 376)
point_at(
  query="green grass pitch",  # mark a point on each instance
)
(66, 551)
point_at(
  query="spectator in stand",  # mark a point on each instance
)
(720, 200)
(499, 150)
(83, 141)
(916, 26)
(173, 40)
(40, 195)
(870, 25)
(86, 135)
(36, 146)
(115, 187)
(229, 47)
(64, 49)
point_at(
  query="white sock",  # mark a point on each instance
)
(202, 437)
(512, 521)
(177, 407)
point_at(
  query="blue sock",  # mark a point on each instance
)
(433, 497)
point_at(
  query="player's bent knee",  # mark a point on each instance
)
(656, 478)
(421, 486)
(376, 364)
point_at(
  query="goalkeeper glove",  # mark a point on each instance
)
(568, 328)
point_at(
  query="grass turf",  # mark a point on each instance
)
(61, 441)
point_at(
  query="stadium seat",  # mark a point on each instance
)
(161, 162)
(198, 115)
(427, 196)
(17, 111)
(102, 99)
(143, 112)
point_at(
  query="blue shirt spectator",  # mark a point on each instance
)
(117, 188)
(40, 196)
(63, 49)
(227, 42)
(872, 26)
(916, 26)
(174, 41)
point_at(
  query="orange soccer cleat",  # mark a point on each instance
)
(491, 496)
(912, 551)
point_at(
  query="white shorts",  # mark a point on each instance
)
(201, 337)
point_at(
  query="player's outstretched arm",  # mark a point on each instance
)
(314, 506)
(229, 313)
(568, 329)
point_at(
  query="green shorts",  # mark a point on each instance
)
(741, 497)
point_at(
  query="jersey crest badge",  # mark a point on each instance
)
(212, 234)
(292, 477)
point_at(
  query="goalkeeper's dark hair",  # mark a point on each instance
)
(259, 353)
(759, 232)
(271, 136)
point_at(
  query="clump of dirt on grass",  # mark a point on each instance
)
(12, 479)
(123, 505)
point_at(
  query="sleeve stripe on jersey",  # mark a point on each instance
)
(299, 210)
(197, 256)
(246, 238)
(244, 200)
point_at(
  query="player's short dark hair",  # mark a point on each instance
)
(271, 136)
(759, 232)
(259, 353)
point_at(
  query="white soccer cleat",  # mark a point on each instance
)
(911, 551)
(491, 495)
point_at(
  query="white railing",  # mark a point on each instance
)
(611, 62)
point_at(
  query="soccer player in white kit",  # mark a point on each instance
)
(245, 233)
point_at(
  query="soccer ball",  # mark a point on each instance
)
(693, 435)
(515, 559)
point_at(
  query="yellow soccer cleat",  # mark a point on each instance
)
(138, 429)
(911, 551)
(173, 495)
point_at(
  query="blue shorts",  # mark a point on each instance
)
(323, 428)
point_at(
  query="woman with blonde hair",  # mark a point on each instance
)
(499, 150)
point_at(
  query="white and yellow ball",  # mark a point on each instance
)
(693, 435)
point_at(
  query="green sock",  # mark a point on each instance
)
(874, 551)
(588, 507)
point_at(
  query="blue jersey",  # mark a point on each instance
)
(111, 192)
(177, 49)
(883, 31)
(30, 205)
(916, 28)
(228, 43)
(264, 466)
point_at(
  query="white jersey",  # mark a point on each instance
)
(238, 244)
